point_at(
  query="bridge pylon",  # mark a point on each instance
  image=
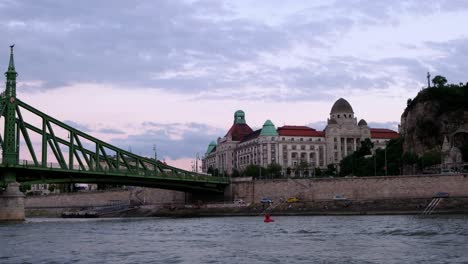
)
(11, 198)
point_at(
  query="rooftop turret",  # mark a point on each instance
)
(268, 129)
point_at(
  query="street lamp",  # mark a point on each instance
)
(375, 164)
(155, 156)
(385, 168)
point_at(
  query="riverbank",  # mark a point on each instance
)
(329, 207)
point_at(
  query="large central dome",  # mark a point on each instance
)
(341, 106)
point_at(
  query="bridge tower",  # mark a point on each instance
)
(11, 198)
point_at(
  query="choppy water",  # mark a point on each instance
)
(304, 239)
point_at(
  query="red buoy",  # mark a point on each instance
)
(268, 219)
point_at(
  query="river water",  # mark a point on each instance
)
(290, 239)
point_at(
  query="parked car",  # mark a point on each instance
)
(292, 200)
(339, 197)
(448, 172)
(442, 195)
(239, 201)
(265, 200)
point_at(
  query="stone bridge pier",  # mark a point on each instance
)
(12, 203)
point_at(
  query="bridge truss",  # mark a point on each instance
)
(59, 153)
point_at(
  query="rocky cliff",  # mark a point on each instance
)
(435, 115)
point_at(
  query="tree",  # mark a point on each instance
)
(235, 173)
(439, 81)
(409, 158)
(408, 102)
(331, 170)
(255, 171)
(347, 165)
(356, 163)
(318, 172)
(51, 188)
(24, 187)
(210, 170)
(274, 170)
(302, 167)
(430, 158)
(365, 148)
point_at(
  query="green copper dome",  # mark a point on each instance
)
(268, 129)
(211, 146)
(239, 117)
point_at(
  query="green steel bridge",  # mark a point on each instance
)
(54, 152)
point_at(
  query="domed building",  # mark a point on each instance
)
(343, 134)
(297, 149)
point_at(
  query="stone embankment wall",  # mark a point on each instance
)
(89, 199)
(363, 188)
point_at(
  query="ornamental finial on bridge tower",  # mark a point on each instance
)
(11, 65)
(11, 75)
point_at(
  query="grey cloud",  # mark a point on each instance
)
(318, 125)
(87, 129)
(80, 127)
(69, 41)
(110, 131)
(455, 61)
(194, 139)
(393, 125)
(203, 44)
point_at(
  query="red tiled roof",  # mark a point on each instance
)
(238, 131)
(251, 136)
(298, 131)
(383, 133)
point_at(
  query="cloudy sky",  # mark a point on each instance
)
(172, 73)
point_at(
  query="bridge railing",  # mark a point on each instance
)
(126, 171)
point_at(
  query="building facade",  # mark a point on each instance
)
(297, 149)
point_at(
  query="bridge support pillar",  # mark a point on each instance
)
(12, 203)
(228, 195)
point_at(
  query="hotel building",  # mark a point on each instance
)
(290, 146)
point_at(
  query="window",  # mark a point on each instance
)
(303, 147)
(301, 139)
(292, 139)
(283, 139)
(293, 147)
